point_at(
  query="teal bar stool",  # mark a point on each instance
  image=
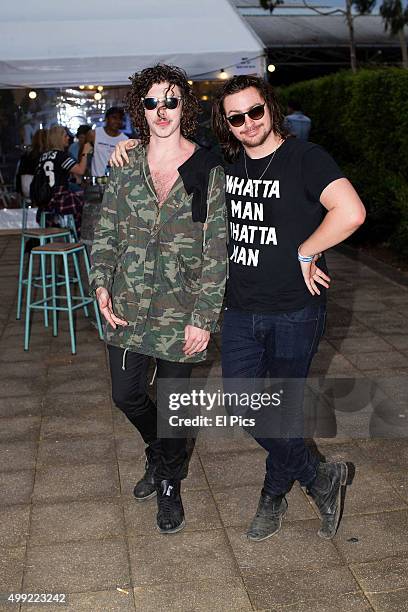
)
(53, 301)
(66, 221)
(44, 236)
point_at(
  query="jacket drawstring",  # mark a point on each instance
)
(124, 359)
(154, 376)
(208, 205)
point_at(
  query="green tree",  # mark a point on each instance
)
(395, 18)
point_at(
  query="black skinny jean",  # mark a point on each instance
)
(129, 393)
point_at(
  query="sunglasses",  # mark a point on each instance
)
(171, 102)
(257, 112)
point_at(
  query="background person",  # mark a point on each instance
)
(105, 138)
(296, 122)
(29, 162)
(57, 166)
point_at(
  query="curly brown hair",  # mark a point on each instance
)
(231, 145)
(144, 80)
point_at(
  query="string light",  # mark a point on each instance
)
(100, 88)
(223, 74)
(98, 96)
(271, 68)
(190, 82)
(32, 95)
(82, 87)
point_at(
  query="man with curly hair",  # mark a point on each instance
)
(159, 269)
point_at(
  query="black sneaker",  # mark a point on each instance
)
(268, 518)
(146, 488)
(170, 515)
(326, 492)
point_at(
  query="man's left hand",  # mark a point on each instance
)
(195, 340)
(312, 274)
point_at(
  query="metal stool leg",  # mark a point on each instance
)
(69, 304)
(80, 286)
(44, 279)
(54, 297)
(95, 303)
(20, 277)
(27, 319)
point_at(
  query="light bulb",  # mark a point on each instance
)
(98, 96)
(32, 95)
(271, 68)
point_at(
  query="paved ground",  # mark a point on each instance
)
(68, 462)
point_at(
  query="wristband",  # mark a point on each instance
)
(305, 258)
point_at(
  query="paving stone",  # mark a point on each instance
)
(384, 575)
(10, 353)
(16, 487)
(351, 346)
(76, 405)
(378, 360)
(400, 341)
(237, 506)
(81, 481)
(386, 454)
(17, 455)
(379, 535)
(200, 596)
(351, 602)
(70, 521)
(234, 469)
(199, 507)
(348, 331)
(269, 589)
(371, 493)
(9, 371)
(14, 525)
(216, 441)
(11, 569)
(77, 566)
(296, 546)
(55, 426)
(334, 366)
(186, 557)
(87, 386)
(18, 387)
(100, 601)
(396, 601)
(65, 450)
(130, 448)
(20, 428)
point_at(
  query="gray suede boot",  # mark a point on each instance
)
(326, 492)
(268, 518)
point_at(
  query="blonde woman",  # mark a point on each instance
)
(57, 166)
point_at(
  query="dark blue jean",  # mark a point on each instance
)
(281, 345)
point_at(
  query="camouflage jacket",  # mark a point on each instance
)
(163, 270)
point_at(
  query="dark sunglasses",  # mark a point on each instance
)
(171, 102)
(257, 112)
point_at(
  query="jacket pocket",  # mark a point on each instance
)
(189, 279)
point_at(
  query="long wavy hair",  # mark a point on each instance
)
(55, 137)
(230, 144)
(144, 80)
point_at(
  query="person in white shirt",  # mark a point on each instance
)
(104, 139)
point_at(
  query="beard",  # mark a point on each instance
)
(258, 140)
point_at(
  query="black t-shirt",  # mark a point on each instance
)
(268, 218)
(57, 166)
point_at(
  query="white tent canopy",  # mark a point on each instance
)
(46, 43)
